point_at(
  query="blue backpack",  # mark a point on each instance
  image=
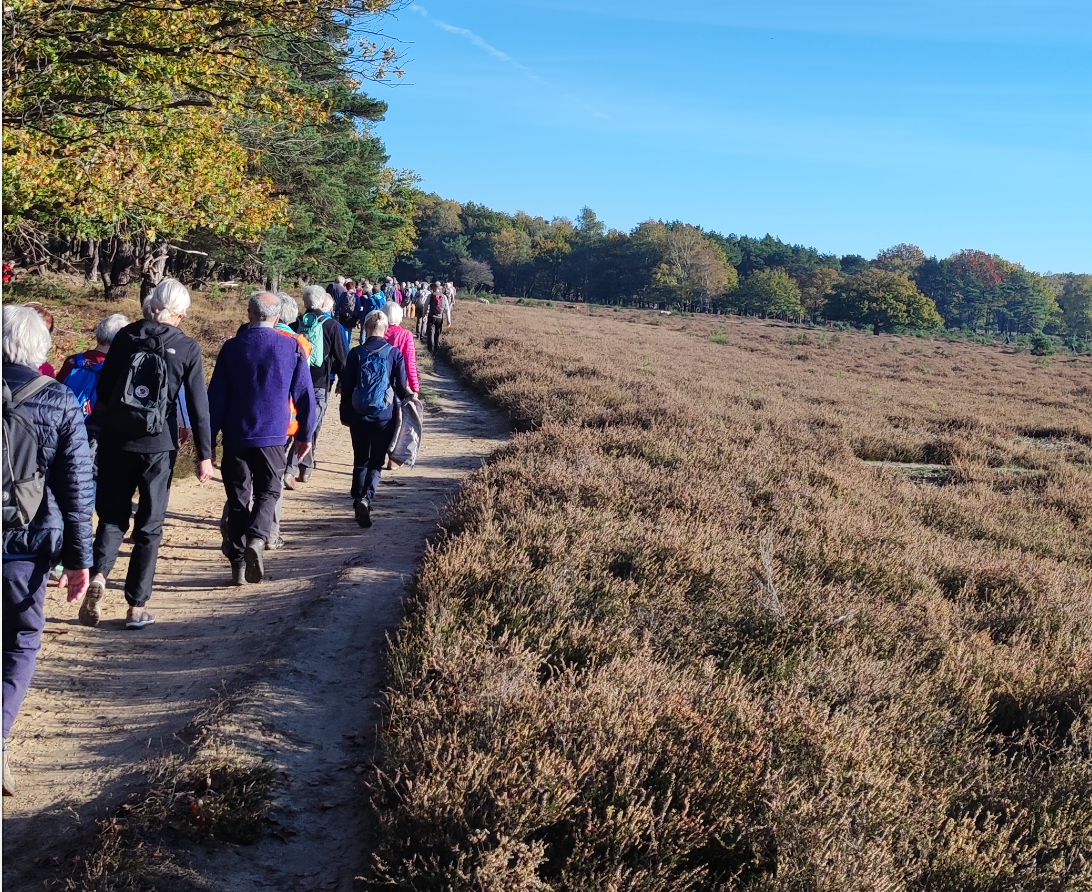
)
(83, 381)
(376, 302)
(374, 394)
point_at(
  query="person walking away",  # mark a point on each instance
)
(81, 370)
(290, 312)
(435, 318)
(345, 308)
(449, 300)
(402, 340)
(375, 374)
(47, 502)
(372, 302)
(327, 360)
(257, 373)
(421, 309)
(136, 422)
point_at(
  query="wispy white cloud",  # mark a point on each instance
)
(480, 42)
(477, 41)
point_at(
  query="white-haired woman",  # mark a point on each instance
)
(374, 375)
(137, 423)
(328, 358)
(56, 525)
(81, 370)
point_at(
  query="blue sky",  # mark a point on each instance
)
(847, 125)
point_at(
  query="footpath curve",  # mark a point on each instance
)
(301, 654)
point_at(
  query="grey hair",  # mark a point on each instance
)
(314, 297)
(340, 280)
(26, 337)
(264, 306)
(375, 321)
(110, 326)
(393, 313)
(328, 304)
(170, 298)
(290, 310)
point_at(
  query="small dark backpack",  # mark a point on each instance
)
(373, 394)
(139, 403)
(24, 483)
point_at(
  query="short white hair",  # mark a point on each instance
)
(393, 313)
(314, 297)
(26, 337)
(109, 327)
(170, 298)
(264, 305)
(290, 310)
(328, 304)
(375, 323)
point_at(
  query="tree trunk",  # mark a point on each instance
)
(90, 258)
(152, 269)
(116, 262)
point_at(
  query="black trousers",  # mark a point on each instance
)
(253, 480)
(121, 474)
(24, 619)
(435, 329)
(371, 443)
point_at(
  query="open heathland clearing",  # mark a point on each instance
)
(751, 607)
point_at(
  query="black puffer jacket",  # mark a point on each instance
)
(62, 529)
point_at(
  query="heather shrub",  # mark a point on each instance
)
(681, 634)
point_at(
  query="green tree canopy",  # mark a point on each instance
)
(770, 292)
(882, 300)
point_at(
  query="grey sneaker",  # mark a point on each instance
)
(255, 564)
(9, 781)
(138, 618)
(91, 605)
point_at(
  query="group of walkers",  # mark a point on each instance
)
(110, 425)
(430, 304)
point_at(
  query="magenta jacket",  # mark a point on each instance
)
(402, 338)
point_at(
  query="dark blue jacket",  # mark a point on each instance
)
(62, 529)
(351, 379)
(256, 374)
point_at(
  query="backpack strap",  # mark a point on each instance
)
(30, 389)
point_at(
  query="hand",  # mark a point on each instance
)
(302, 449)
(204, 470)
(76, 581)
(184, 434)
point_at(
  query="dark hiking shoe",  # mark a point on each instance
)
(255, 563)
(238, 573)
(91, 605)
(138, 618)
(9, 780)
(363, 512)
(304, 476)
(289, 481)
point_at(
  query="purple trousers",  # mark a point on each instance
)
(24, 619)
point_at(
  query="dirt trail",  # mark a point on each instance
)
(301, 654)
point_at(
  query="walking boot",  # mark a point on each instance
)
(9, 781)
(238, 573)
(255, 563)
(363, 512)
(91, 606)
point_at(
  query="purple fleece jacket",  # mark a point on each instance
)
(256, 374)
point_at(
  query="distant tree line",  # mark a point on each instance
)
(683, 267)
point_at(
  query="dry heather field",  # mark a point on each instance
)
(687, 633)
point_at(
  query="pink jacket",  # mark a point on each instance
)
(402, 338)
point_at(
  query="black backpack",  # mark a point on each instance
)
(139, 404)
(24, 483)
(345, 310)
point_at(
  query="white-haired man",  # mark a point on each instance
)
(44, 435)
(328, 356)
(136, 418)
(259, 374)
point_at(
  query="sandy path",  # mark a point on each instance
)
(301, 654)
